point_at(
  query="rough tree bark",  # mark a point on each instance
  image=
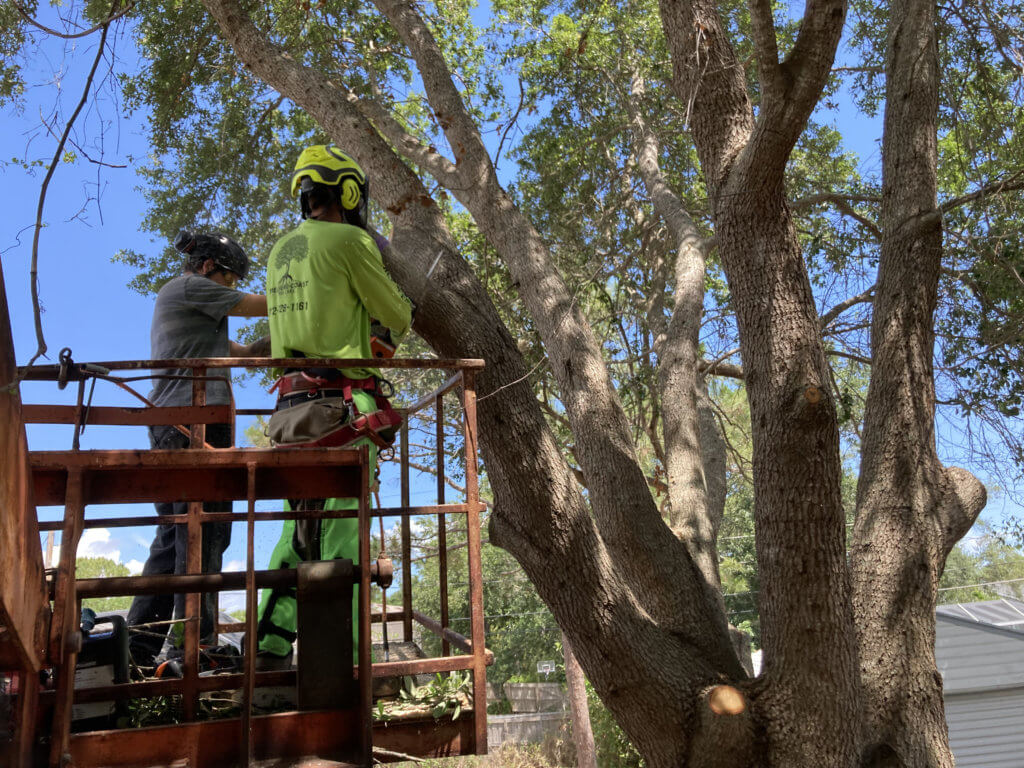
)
(693, 445)
(910, 510)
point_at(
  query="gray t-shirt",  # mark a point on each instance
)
(190, 320)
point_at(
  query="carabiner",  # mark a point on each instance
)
(65, 367)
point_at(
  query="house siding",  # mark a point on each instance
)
(982, 669)
(986, 729)
(974, 657)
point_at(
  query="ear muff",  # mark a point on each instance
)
(350, 196)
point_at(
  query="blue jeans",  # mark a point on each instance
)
(169, 552)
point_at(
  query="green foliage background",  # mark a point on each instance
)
(102, 568)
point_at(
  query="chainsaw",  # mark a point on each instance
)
(381, 343)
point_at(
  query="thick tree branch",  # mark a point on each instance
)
(848, 210)
(813, 53)
(766, 48)
(623, 508)
(803, 74)
(719, 368)
(449, 108)
(665, 202)
(713, 456)
(411, 147)
(711, 83)
(679, 352)
(910, 510)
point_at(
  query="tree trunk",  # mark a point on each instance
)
(693, 515)
(809, 704)
(910, 510)
(811, 708)
(582, 733)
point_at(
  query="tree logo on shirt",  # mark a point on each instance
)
(292, 251)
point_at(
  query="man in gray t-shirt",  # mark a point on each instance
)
(191, 320)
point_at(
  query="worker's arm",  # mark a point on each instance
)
(382, 298)
(259, 348)
(250, 305)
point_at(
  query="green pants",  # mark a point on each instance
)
(338, 539)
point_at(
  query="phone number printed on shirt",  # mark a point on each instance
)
(295, 306)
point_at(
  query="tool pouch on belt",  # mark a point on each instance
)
(333, 422)
(310, 422)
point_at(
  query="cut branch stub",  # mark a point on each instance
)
(726, 700)
(725, 732)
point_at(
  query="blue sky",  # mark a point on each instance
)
(89, 216)
(91, 213)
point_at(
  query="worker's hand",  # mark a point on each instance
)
(259, 348)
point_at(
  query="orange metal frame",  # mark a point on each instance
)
(79, 478)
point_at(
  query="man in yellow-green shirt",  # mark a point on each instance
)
(325, 279)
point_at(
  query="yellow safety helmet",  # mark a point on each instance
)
(326, 165)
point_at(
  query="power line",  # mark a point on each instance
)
(982, 584)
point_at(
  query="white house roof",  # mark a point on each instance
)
(1005, 613)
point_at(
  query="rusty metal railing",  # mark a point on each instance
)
(78, 478)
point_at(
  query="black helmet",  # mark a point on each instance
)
(225, 252)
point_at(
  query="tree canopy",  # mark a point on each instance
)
(102, 568)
